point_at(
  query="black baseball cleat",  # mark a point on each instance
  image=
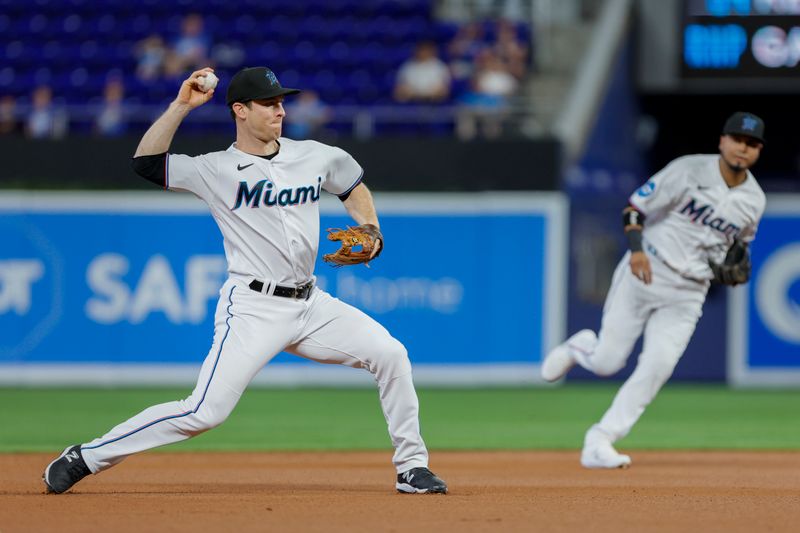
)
(65, 471)
(420, 481)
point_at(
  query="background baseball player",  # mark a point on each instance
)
(263, 191)
(680, 225)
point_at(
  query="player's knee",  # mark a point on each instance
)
(606, 367)
(211, 414)
(393, 359)
(607, 359)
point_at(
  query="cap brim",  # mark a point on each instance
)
(283, 92)
(745, 134)
(266, 96)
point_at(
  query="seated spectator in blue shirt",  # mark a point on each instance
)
(152, 55)
(191, 50)
(111, 120)
(46, 121)
(306, 116)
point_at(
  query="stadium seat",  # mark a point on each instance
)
(347, 50)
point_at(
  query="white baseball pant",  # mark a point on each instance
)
(667, 312)
(250, 328)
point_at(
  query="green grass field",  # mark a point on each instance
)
(682, 417)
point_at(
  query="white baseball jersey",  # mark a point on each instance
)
(267, 209)
(693, 216)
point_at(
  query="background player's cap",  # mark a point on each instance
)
(253, 84)
(741, 123)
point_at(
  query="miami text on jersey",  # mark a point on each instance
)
(284, 197)
(702, 215)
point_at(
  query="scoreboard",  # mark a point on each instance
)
(750, 40)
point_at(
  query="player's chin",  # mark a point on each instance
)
(737, 164)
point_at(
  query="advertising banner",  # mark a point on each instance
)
(764, 315)
(115, 287)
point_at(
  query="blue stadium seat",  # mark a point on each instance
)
(7, 78)
(138, 27)
(348, 50)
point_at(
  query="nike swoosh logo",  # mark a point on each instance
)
(242, 167)
(701, 188)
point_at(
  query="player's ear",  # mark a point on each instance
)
(238, 109)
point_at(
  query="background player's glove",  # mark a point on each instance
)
(736, 267)
(366, 236)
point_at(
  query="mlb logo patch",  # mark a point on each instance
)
(646, 189)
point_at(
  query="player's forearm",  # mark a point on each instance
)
(633, 222)
(361, 207)
(159, 136)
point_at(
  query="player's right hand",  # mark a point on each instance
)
(640, 266)
(190, 93)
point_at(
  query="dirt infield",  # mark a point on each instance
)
(331, 492)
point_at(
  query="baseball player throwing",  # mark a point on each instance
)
(682, 226)
(263, 192)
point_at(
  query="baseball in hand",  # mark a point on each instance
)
(207, 82)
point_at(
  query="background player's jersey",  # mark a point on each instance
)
(267, 209)
(693, 216)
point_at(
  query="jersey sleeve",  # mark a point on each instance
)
(661, 191)
(344, 173)
(193, 174)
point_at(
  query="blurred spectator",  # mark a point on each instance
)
(228, 55)
(485, 107)
(151, 54)
(45, 121)
(464, 10)
(424, 77)
(510, 50)
(111, 120)
(306, 116)
(8, 116)
(464, 48)
(190, 50)
(492, 78)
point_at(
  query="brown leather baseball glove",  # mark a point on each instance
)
(736, 267)
(364, 239)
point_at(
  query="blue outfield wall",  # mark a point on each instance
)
(122, 287)
(764, 316)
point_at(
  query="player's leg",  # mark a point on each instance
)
(624, 314)
(338, 333)
(665, 339)
(240, 349)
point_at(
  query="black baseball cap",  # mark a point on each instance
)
(741, 123)
(255, 83)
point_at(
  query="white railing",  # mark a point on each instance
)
(577, 115)
(358, 121)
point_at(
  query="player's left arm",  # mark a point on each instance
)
(633, 223)
(657, 195)
(361, 207)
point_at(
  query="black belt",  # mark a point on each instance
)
(300, 293)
